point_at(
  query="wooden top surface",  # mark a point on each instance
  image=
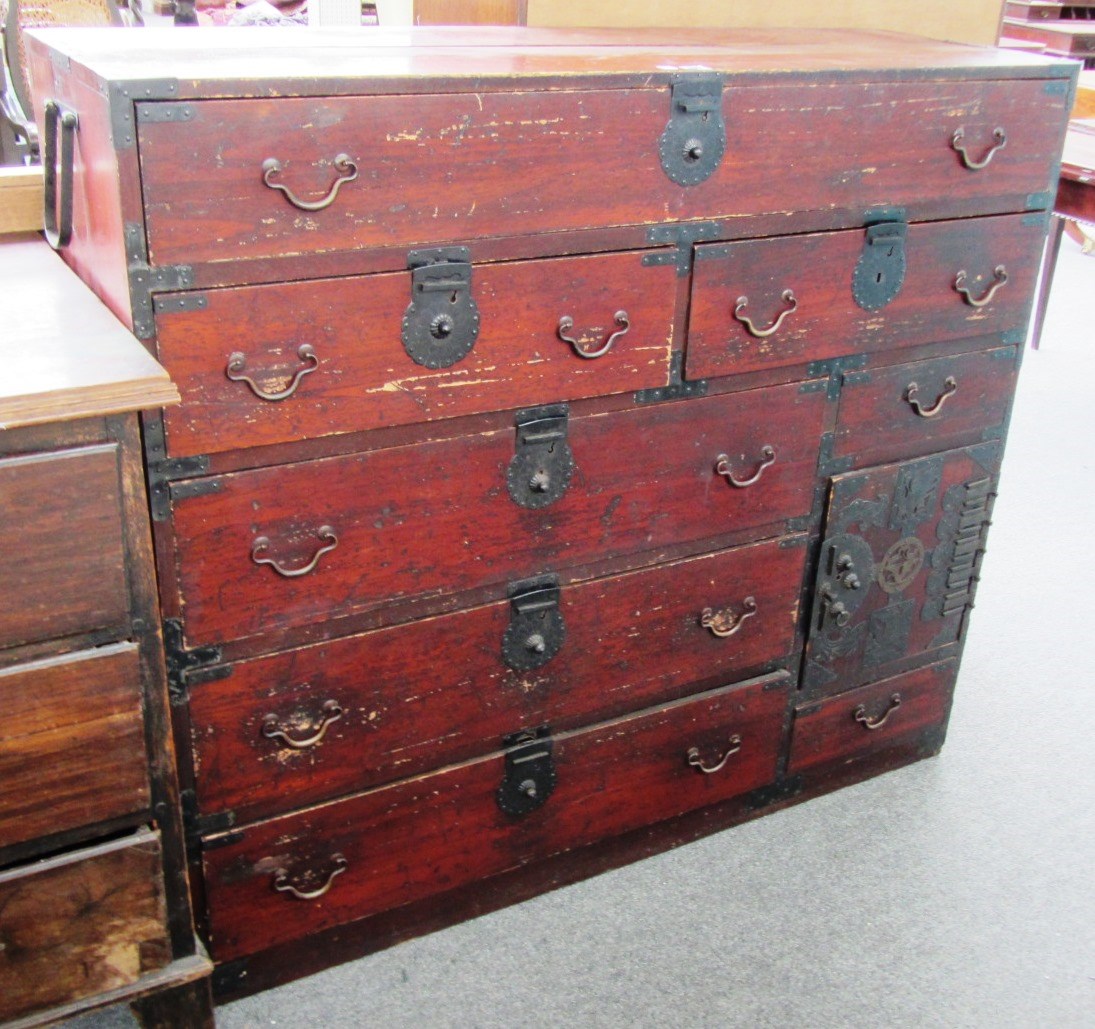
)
(312, 61)
(63, 354)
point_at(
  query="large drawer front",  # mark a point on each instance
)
(62, 557)
(439, 168)
(767, 303)
(72, 749)
(908, 408)
(358, 374)
(418, 521)
(330, 719)
(81, 924)
(404, 842)
(872, 718)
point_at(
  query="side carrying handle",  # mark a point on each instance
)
(57, 176)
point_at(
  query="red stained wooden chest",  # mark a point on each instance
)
(588, 440)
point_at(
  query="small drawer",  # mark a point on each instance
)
(424, 170)
(288, 877)
(72, 748)
(62, 556)
(268, 364)
(908, 409)
(768, 303)
(327, 720)
(269, 548)
(895, 712)
(81, 924)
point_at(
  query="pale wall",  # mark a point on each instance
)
(969, 21)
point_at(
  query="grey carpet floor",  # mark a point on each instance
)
(957, 892)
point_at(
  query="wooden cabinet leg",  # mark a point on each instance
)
(1045, 281)
(189, 1006)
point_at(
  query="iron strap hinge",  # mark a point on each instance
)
(186, 667)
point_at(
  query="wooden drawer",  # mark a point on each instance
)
(898, 565)
(72, 748)
(438, 168)
(907, 409)
(379, 706)
(438, 517)
(872, 718)
(62, 558)
(360, 376)
(767, 303)
(81, 924)
(391, 846)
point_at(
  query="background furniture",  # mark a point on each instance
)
(94, 905)
(556, 478)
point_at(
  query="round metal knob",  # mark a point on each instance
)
(528, 788)
(536, 643)
(540, 481)
(442, 326)
(693, 150)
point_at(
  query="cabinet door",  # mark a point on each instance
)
(898, 565)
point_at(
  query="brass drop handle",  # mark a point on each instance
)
(743, 302)
(346, 172)
(695, 761)
(236, 362)
(722, 467)
(999, 141)
(262, 543)
(725, 623)
(566, 324)
(282, 884)
(950, 387)
(860, 713)
(1000, 277)
(272, 728)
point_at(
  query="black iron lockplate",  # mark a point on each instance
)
(694, 140)
(880, 271)
(540, 471)
(536, 631)
(441, 323)
(529, 777)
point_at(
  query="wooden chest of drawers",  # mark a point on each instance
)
(94, 906)
(587, 441)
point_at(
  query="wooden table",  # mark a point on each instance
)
(1075, 202)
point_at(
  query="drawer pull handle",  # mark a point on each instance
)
(722, 467)
(696, 761)
(261, 543)
(236, 362)
(725, 623)
(347, 172)
(742, 303)
(861, 716)
(999, 274)
(999, 141)
(566, 324)
(272, 729)
(950, 387)
(282, 884)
